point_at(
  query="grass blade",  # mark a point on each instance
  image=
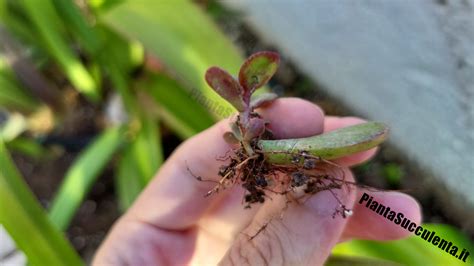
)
(12, 97)
(139, 162)
(128, 183)
(15, 23)
(28, 147)
(354, 261)
(180, 110)
(82, 174)
(11, 93)
(47, 23)
(147, 150)
(188, 44)
(77, 24)
(26, 221)
(411, 251)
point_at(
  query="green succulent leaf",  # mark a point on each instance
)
(331, 145)
(258, 69)
(226, 86)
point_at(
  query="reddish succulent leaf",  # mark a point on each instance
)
(258, 69)
(226, 86)
(263, 99)
(230, 138)
(256, 128)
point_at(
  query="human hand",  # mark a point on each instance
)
(171, 223)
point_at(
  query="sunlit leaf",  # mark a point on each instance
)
(26, 221)
(125, 54)
(128, 181)
(411, 251)
(28, 147)
(180, 110)
(15, 23)
(47, 25)
(187, 44)
(78, 25)
(356, 261)
(147, 148)
(103, 5)
(140, 161)
(12, 95)
(82, 175)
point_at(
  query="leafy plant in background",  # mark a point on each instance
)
(97, 48)
(101, 63)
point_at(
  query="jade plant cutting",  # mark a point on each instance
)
(264, 165)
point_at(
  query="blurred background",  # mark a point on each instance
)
(95, 95)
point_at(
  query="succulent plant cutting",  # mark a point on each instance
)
(262, 164)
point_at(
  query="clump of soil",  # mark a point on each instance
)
(260, 179)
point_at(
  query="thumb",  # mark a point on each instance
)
(293, 233)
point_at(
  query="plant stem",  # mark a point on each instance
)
(245, 121)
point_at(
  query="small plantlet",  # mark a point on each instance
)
(263, 165)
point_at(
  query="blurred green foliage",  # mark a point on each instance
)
(393, 174)
(99, 48)
(27, 222)
(153, 55)
(411, 251)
